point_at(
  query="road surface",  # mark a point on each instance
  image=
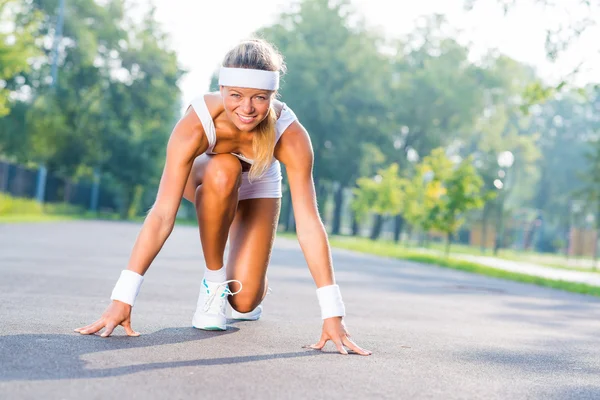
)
(435, 333)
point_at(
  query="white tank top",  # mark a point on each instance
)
(285, 119)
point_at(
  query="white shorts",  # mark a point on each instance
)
(267, 186)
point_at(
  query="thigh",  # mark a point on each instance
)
(201, 164)
(250, 243)
(195, 177)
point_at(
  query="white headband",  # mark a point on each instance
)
(249, 78)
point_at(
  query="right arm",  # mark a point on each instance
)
(187, 141)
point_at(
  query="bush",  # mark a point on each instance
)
(15, 205)
(10, 205)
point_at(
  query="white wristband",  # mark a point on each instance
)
(127, 287)
(330, 300)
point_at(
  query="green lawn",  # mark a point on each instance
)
(509, 254)
(379, 248)
(390, 249)
(25, 218)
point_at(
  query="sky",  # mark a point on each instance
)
(202, 31)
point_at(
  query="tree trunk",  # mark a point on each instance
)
(322, 193)
(136, 201)
(484, 222)
(338, 199)
(398, 225)
(448, 243)
(376, 230)
(427, 240)
(596, 238)
(409, 235)
(290, 222)
(355, 225)
(595, 262)
(420, 238)
(68, 190)
(127, 200)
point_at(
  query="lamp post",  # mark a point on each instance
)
(505, 161)
(43, 171)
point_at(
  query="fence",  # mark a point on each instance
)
(19, 181)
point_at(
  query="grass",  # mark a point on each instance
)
(21, 210)
(24, 218)
(14, 210)
(390, 249)
(546, 259)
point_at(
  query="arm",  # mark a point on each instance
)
(294, 149)
(187, 141)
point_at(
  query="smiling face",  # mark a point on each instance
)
(245, 107)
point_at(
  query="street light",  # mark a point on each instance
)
(505, 161)
(40, 189)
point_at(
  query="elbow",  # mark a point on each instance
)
(309, 229)
(165, 220)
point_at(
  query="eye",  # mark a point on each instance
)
(237, 96)
(261, 98)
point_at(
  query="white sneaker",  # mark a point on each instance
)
(210, 310)
(249, 316)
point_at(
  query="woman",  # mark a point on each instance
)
(223, 156)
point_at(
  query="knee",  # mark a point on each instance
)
(223, 174)
(244, 303)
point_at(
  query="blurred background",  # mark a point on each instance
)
(452, 125)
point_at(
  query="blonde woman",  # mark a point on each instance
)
(224, 156)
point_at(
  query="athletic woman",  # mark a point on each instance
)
(224, 157)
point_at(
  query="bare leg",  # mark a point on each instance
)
(251, 241)
(251, 225)
(215, 181)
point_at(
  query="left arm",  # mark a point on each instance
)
(294, 150)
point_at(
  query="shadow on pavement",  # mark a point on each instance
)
(547, 360)
(58, 356)
(575, 392)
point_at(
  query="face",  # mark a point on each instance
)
(245, 107)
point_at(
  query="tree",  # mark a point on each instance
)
(115, 101)
(578, 19)
(500, 127)
(423, 191)
(17, 46)
(590, 192)
(462, 193)
(382, 194)
(435, 94)
(143, 110)
(336, 84)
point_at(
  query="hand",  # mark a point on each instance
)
(335, 330)
(117, 313)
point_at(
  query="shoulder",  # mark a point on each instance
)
(211, 102)
(278, 106)
(282, 110)
(285, 117)
(294, 149)
(189, 131)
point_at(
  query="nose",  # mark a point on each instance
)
(247, 107)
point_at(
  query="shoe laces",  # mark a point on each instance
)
(217, 306)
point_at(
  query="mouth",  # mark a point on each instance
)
(245, 119)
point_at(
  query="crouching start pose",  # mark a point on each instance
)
(223, 156)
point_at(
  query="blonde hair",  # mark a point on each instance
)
(259, 54)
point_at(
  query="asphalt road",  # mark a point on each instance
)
(435, 333)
